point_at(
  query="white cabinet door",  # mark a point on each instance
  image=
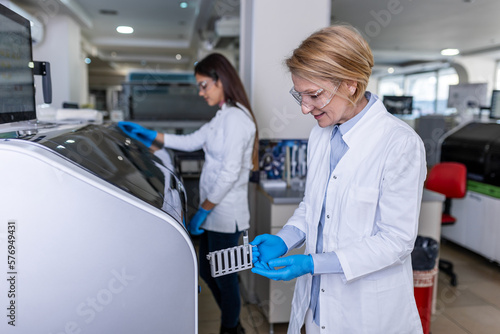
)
(274, 297)
(477, 225)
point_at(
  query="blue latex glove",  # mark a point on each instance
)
(198, 219)
(138, 132)
(267, 247)
(293, 266)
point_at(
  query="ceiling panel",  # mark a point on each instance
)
(399, 31)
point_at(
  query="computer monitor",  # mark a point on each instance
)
(398, 105)
(464, 96)
(495, 104)
(17, 88)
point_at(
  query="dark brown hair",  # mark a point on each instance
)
(217, 67)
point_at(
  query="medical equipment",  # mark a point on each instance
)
(231, 260)
(92, 235)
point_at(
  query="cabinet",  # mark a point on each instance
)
(477, 226)
(270, 212)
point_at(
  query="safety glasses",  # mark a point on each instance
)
(318, 99)
(204, 85)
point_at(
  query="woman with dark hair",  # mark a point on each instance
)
(230, 143)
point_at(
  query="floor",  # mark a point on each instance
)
(472, 307)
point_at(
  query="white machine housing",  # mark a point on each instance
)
(83, 255)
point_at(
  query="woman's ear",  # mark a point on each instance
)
(352, 86)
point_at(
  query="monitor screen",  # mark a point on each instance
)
(167, 102)
(464, 96)
(17, 89)
(398, 105)
(495, 104)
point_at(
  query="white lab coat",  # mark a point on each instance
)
(227, 141)
(371, 218)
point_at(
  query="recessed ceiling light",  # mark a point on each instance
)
(108, 12)
(390, 70)
(178, 56)
(183, 4)
(125, 29)
(450, 52)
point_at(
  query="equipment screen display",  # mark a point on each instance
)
(17, 90)
(495, 104)
(398, 105)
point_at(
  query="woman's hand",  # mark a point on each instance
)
(138, 132)
(267, 247)
(292, 266)
(197, 220)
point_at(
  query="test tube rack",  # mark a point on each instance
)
(231, 260)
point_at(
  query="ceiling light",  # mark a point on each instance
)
(390, 70)
(125, 29)
(183, 4)
(88, 61)
(108, 12)
(450, 52)
(178, 56)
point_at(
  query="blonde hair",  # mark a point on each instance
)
(336, 53)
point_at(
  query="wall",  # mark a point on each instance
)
(479, 69)
(268, 36)
(62, 48)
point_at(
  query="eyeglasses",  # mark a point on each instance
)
(319, 99)
(204, 85)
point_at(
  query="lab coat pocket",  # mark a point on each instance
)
(359, 214)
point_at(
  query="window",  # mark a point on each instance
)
(392, 86)
(422, 87)
(446, 77)
(429, 89)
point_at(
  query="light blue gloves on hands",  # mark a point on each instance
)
(293, 266)
(266, 252)
(197, 220)
(267, 247)
(138, 132)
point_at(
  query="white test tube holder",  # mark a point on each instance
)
(231, 260)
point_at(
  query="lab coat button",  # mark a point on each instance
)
(322, 327)
(328, 216)
(334, 177)
(322, 290)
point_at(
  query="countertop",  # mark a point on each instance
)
(292, 196)
(283, 196)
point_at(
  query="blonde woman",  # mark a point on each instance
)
(359, 214)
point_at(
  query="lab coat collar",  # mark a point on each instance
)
(345, 127)
(365, 124)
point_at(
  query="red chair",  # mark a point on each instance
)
(449, 179)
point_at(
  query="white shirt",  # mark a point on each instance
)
(227, 141)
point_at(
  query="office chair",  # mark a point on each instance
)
(449, 179)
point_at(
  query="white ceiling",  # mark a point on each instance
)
(417, 30)
(400, 32)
